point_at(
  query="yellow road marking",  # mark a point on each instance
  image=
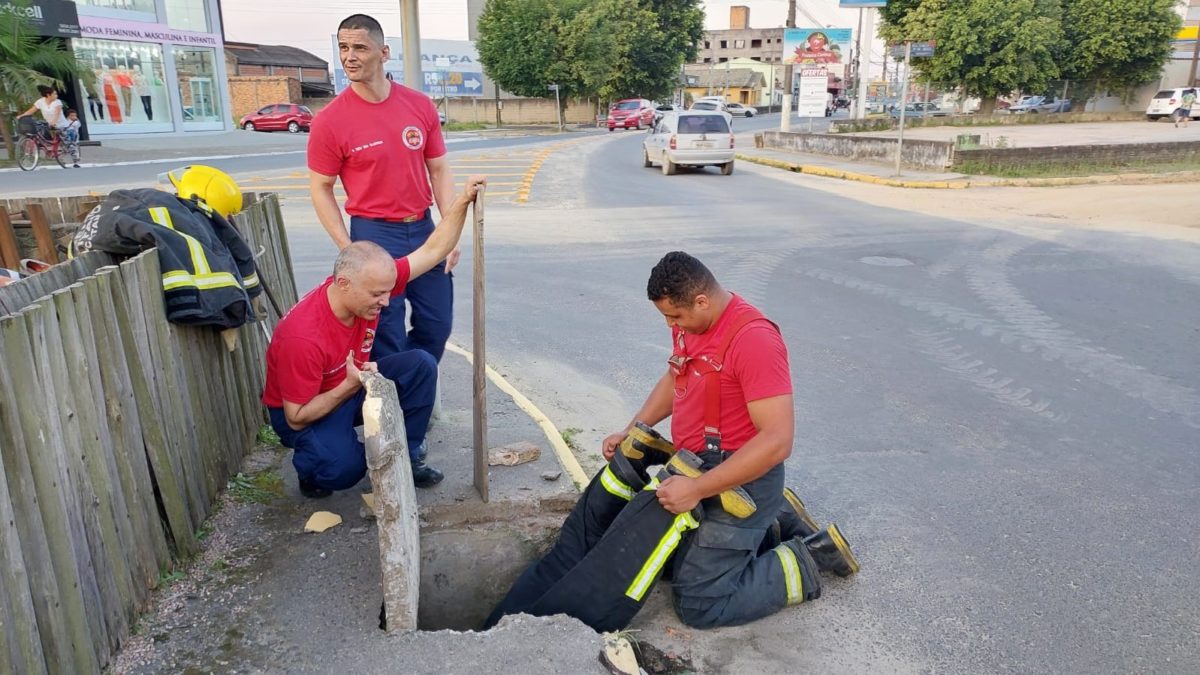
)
(565, 457)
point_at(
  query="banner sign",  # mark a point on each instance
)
(826, 47)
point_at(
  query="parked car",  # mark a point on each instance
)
(441, 117)
(695, 137)
(739, 109)
(1039, 104)
(660, 110)
(631, 113)
(919, 109)
(1166, 102)
(277, 117)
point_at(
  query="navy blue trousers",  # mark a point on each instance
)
(328, 452)
(431, 294)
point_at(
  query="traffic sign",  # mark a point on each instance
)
(920, 50)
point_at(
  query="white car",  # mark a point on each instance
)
(1167, 101)
(694, 137)
(739, 109)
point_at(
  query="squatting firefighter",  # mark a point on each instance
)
(717, 519)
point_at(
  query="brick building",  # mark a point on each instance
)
(261, 75)
(740, 41)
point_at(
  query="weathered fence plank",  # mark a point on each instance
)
(149, 389)
(125, 422)
(19, 637)
(86, 453)
(49, 497)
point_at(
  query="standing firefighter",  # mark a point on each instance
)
(740, 545)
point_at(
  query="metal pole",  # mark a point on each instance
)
(788, 72)
(864, 63)
(497, 86)
(410, 32)
(925, 108)
(903, 100)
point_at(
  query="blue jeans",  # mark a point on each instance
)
(431, 294)
(328, 452)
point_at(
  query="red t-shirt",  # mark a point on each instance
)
(307, 355)
(379, 151)
(755, 367)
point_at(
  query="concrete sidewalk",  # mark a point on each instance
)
(264, 596)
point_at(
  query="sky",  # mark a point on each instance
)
(308, 24)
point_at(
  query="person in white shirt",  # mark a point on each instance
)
(50, 107)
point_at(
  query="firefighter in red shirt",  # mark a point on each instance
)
(743, 546)
(313, 392)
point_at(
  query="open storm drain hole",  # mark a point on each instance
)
(472, 553)
(885, 261)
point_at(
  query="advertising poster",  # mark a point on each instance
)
(825, 47)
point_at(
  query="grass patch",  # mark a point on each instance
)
(464, 126)
(569, 437)
(260, 488)
(167, 576)
(1078, 169)
(267, 436)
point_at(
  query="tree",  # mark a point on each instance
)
(988, 48)
(26, 61)
(606, 48)
(1120, 44)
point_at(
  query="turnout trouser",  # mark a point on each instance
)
(617, 541)
(328, 452)
(431, 294)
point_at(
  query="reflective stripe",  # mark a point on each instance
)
(250, 281)
(614, 485)
(653, 484)
(791, 574)
(666, 546)
(203, 278)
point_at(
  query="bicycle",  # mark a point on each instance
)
(33, 143)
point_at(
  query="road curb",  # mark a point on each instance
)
(562, 452)
(1066, 181)
(826, 172)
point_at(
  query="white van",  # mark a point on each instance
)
(690, 138)
(1167, 101)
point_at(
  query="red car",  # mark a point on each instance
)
(295, 118)
(632, 113)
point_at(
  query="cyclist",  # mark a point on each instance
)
(50, 107)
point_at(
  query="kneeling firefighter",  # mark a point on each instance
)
(208, 271)
(736, 543)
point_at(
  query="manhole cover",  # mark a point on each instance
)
(885, 261)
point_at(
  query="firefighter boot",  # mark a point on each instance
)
(829, 548)
(736, 501)
(646, 447)
(794, 520)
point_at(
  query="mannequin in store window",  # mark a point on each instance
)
(125, 83)
(95, 103)
(107, 86)
(141, 87)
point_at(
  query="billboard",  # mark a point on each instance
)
(48, 18)
(459, 72)
(825, 47)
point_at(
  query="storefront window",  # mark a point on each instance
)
(129, 87)
(197, 72)
(188, 15)
(120, 5)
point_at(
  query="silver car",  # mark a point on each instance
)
(694, 137)
(739, 109)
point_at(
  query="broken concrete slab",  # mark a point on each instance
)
(514, 454)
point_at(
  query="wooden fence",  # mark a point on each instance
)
(118, 430)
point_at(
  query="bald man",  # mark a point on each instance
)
(313, 391)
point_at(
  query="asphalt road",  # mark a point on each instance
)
(1003, 420)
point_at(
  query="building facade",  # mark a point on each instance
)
(158, 67)
(740, 41)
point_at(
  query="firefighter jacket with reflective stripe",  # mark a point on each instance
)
(208, 272)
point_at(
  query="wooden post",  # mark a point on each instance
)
(395, 501)
(10, 253)
(479, 385)
(47, 251)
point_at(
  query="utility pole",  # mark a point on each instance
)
(1192, 81)
(785, 123)
(864, 61)
(903, 99)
